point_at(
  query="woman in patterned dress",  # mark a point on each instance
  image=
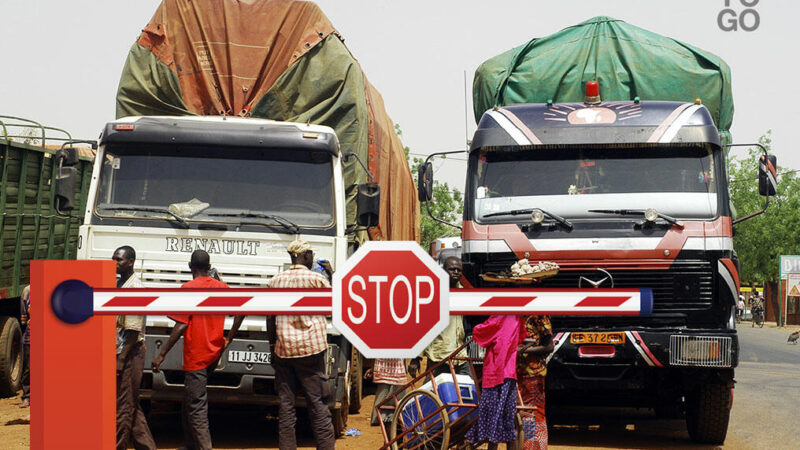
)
(497, 411)
(531, 372)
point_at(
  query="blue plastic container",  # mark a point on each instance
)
(446, 391)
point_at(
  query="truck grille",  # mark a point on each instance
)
(173, 276)
(686, 286)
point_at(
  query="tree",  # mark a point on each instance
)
(446, 204)
(761, 240)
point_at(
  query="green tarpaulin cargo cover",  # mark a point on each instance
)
(625, 60)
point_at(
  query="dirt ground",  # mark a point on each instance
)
(14, 425)
(15, 430)
(750, 420)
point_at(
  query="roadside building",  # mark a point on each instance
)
(788, 311)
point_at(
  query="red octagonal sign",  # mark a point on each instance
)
(390, 299)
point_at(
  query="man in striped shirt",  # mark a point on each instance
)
(299, 354)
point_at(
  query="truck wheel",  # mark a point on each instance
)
(10, 356)
(356, 381)
(707, 413)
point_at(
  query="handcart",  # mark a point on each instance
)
(435, 412)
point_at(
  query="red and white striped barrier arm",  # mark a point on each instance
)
(318, 301)
(555, 302)
(212, 301)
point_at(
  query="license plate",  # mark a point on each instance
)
(597, 338)
(248, 357)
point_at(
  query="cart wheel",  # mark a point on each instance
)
(433, 433)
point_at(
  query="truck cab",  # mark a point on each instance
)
(623, 194)
(240, 189)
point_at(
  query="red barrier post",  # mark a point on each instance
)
(73, 367)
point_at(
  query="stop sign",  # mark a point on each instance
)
(390, 299)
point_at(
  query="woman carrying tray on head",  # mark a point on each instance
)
(500, 335)
(531, 372)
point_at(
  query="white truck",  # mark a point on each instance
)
(240, 189)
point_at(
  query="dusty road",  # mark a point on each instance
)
(764, 414)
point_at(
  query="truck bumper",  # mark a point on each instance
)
(232, 382)
(649, 367)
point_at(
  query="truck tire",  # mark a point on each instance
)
(10, 356)
(707, 413)
(356, 381)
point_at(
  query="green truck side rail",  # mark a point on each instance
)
(29, 226)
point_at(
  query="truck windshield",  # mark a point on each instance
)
(218, 185)
(678, 181)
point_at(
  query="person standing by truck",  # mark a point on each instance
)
(25, 311)
(131, 421)
(204, 341)
(531, 373)
(299, 354)
(451, 338)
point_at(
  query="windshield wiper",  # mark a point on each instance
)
(285, 223)
(517, 212)
(639, 212)
(178, 218)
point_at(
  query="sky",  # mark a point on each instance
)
(62, 60)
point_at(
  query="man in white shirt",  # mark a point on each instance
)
(131, 422)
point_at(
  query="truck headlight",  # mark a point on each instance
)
(701, 351)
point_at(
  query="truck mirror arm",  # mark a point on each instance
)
(750, 216)
(428, 207)
(766, 202)
(346, 157)
(428, 204)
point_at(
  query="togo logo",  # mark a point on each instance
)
(747, 19)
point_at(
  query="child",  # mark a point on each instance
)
(500, 335)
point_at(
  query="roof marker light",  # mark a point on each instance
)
(124, 127)
(697, 101)
(592, 93)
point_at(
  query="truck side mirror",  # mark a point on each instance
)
(67, 156)
(425, 182)
(368, 202)
(65, 189)
(768, 175)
